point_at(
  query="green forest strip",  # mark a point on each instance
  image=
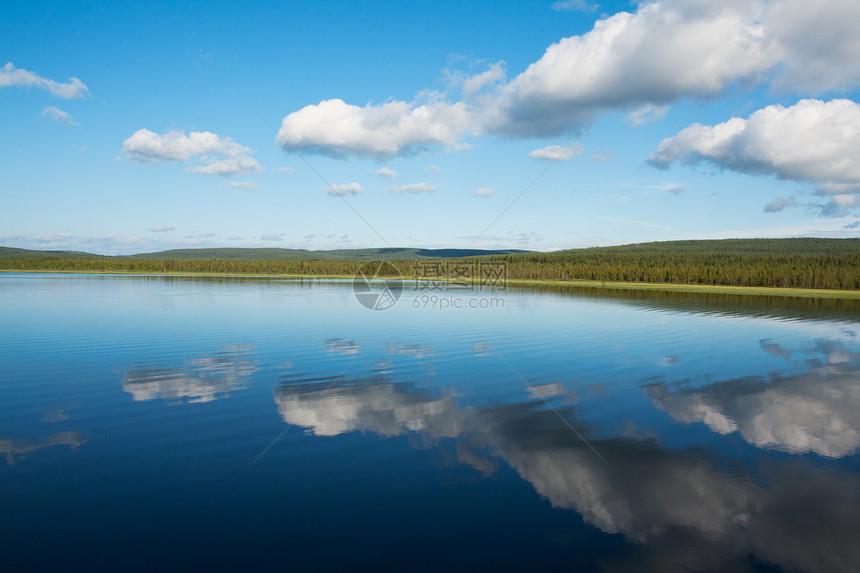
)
(807, 276)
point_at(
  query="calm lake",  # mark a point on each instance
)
(174, 423)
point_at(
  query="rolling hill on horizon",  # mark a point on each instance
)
(784, 247)
(270, 254)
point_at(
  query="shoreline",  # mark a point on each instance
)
(586, 284)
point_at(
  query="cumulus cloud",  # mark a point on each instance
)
(58, 115)
(485, 192)
(10, 76)
(387, 172)
(813, 60)
(240, 165)
(338, 129)
(779, 204)
(161, 228)
(432, 169)
(215, 155)
(636, 62)
(150, 147)
(244, 185)
(413, 188)
(344, 189)
(662, 52)
(557, 152)
(812, 141)
(285, 170)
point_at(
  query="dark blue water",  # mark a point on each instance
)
(152, 423)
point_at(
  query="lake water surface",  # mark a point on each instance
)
(171, 423)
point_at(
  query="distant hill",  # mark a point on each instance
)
(273, 254)
(769, 247)
(799, 246)
(386, 254)
(13, 253)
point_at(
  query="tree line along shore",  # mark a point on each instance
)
(800, 270)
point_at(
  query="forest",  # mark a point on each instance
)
(797, 263)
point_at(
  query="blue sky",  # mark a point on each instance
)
(535, 125)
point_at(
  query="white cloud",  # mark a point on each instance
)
(338, 129)
(634, 62)
(813, 141)
(147, 146)
(662, 52)
(576, 5)
(215, 155)
(557, 152)
(387, 172)
(432, 169)
(246, 185)
(819, 43)
(647, 113)
(476, 83)
(779, 204)
(161, 229)
(10, 76)
(273, 237)
(285, 170)
(231, 166)
(413, 188)
(485, 192)
(345, 189)
(58, 115)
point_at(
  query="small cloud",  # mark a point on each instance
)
(853, 225)
(230, 166)
(433, 169)
(11, 76)
(575, 5)
(272, 237)
(285, 170)
(161, 228)
(677, 190)
(58, 115)
(648, 113)
(344, 189)
(246, 185)
(476, 83)
(779, 204)
(413, 188)
(206, 235)
(485, 192)
(557, 152)
(839, 205)
(387, 172)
